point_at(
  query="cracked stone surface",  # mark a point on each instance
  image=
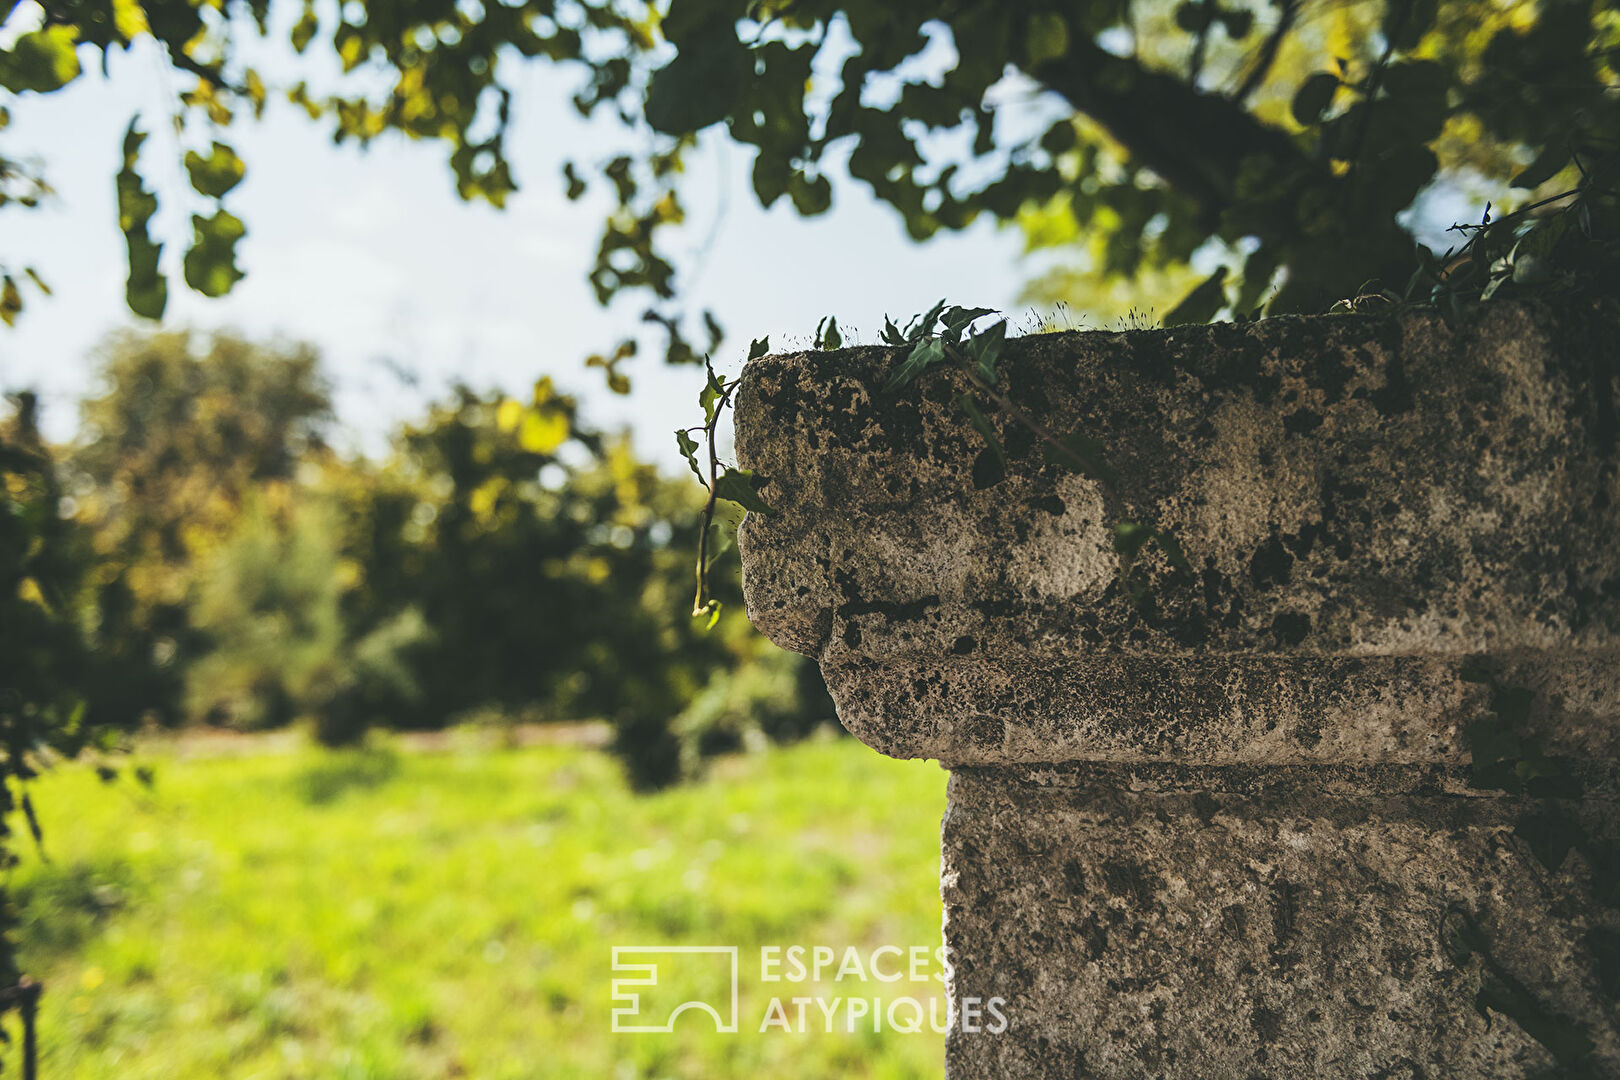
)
(1388, 521)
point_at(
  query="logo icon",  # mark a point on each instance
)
(640, 967)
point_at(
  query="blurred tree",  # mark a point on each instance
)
(502, 556)
(187, 428)
(268, 605)
(1286, 137)
(548, 564)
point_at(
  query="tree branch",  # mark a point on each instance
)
(1289, 9)
(1195, 141)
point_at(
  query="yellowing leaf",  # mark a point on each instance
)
(543, 432)
(41, 61)
(130, 19)
(29, 592)
(509, 415)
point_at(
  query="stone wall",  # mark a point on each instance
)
(1232, 822)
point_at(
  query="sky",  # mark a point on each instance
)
(371, 257)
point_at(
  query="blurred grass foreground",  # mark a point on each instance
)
(292, 911)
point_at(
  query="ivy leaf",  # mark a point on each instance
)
(723, 529)
(1314, 96)
(216, 174)
(741, 487)
(991, 464)
(924, 355)
(711, 394)
(1172, 550)
(1129, 539)
(891, 333)
(689, 451)
(210, 265)
(1200, 305)
(958, 319)
(827, 335)
(759, 347)
(146, 292)
(923, 324)
(985, 349)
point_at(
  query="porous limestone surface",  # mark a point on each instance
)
(1383, 490)
(1214, 823)
(1166, 926)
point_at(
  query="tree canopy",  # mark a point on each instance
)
(1284, 138)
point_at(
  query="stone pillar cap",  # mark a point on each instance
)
(1362, 498)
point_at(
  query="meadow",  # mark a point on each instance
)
(296, 912)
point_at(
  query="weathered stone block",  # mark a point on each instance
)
(1235, 824)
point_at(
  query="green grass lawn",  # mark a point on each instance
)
(451, 913)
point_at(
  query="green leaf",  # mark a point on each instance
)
(711, 609)
(145, 291)
(576, 183)
(811, 196)
(210, 265)
(704, 81)
(957, 320)
(923, 355)
(1406, 21)
(1172, 550)
(891, 333)
(985, 349)
(712, 394)
(1200, 305)
(991, 465)
(923, 324)
(1194, 17)
(689, 451)
(1314, 96)
(827, 335)
(741, 487)
(723, 529)
(41, 60)
(1130, 537)
(759, 347)
(217, 173)
(1046, 37)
